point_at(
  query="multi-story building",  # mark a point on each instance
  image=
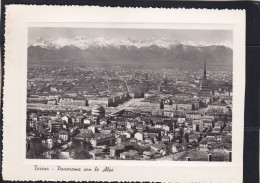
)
(103, 101)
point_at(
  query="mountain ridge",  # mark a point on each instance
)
(120, 54)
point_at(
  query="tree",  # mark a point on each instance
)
(195, 144)
(78, 144)
(202, 104)
(161, 105)
(180, 135)
(55, 154)
(35, 149)
(81, 154)
(222, 101)
(225, 119)
(186, 136)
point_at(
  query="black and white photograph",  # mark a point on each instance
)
(123, 94)
(129, 94)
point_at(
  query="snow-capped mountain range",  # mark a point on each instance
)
(128, 51)
(84, 43)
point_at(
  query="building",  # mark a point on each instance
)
(218, 108)
(165, 139)
(131, 154)
(147, 155)
(159, 148)
(79, 101)
(74, 101)
(104, 101)
(116, 150)
(193, 115)
(177, 148)
(139, 136)
(205, 89)
(97, 113)
(137, 94)
(67, 119)
(86, 121)
(56, 126)
(52, 102)
(84, 135)
(103, 139)
(66, 101)
(182, 106)
(64, 135)
(97, 154)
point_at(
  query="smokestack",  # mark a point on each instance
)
(209, 157)
(229, 156)
(188, 158)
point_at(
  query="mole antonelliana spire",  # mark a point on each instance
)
(205, 72)
(205, 88)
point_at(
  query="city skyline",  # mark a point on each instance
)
(107, 98)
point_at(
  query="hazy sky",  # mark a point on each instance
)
(135, 34)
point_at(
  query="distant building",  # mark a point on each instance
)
(131, 154)
(64, 135)
(182, 106)
(74, 101)
(165, 139)
(177, 148)
(116, 150)
(147, 155)
(85, 135)
(97, 154)
(52, 102)
(218, 108)
(57, 126)
(98, 112)
(136, 94)
(79, 101)
(103, 139)
(208, 123)
(139, 136)
(159, 148)
(193, 115)
(67, 119)
(104, 101)
(86, 121)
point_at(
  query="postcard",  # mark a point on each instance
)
(123, 94)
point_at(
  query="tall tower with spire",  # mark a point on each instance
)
(205, 72)
(204, 87)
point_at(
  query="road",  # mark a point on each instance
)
(130, 104)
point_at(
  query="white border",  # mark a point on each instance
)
(20, 17)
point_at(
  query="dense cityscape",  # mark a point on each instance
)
(129, 112)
